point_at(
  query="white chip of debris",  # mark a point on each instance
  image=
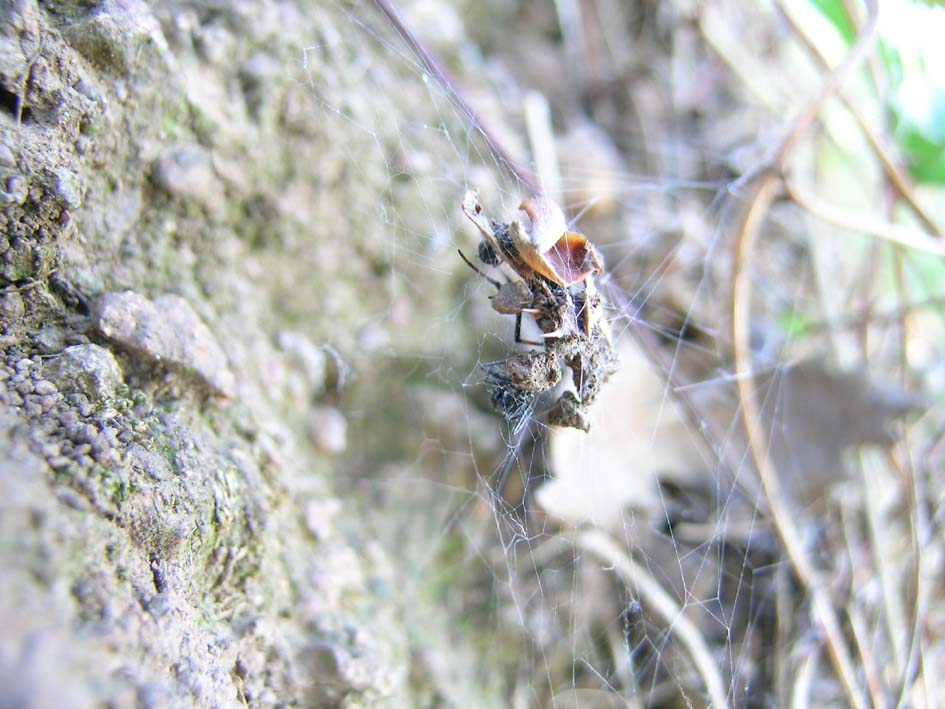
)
(165, 330)
(89, 369)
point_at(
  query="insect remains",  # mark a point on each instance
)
(556, 270)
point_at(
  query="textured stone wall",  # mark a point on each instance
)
(194, 268)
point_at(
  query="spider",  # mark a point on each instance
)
(556, 288)
(513, 403)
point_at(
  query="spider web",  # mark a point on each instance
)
(637, 564)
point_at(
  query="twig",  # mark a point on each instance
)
(569, 20)
(921, 537)
(803, 121)
(875, 226)
(541, 137)
(930, 684)
(908, 641)
(866, 315)
(800, 691)
(897, 179)
(758, 445)
(784, 636)
(758, 205)
(887, 568)
(862, 639)
(638, 578)
(449, 86)
(716, 29)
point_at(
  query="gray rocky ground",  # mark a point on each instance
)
(193, 284)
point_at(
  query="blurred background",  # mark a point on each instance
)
(249, 454)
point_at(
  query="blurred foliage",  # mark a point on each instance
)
(915, 96)
(835, 13)
(794, 324)
(922, 138)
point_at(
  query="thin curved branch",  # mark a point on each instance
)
(766, 189)
(875, 226)
(897, 178)
(446, 82)
(781, 515)
(860, 50)
(638, 578)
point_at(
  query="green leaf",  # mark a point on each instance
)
(926, 277)
(793, 324)
(926, 157)
(922, 139)
(836, 14)
(892, 62)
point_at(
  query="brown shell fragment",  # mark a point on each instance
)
(573, 259)
(547, 222)
(563, 257)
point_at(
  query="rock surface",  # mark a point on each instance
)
(159, 551)
(165, 330)
(89, 369)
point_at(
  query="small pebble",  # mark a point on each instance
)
(166, 330)
(67, 188)
(59, 461)
(329, 430)
(101, 451)
(45, 425)
(111, 437)
(50, 339)
(69, 497)
(12, 307)
(44, 386)
(16, 189)
(320, 517)
(87, 371)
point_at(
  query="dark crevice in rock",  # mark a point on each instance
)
(10, 103)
